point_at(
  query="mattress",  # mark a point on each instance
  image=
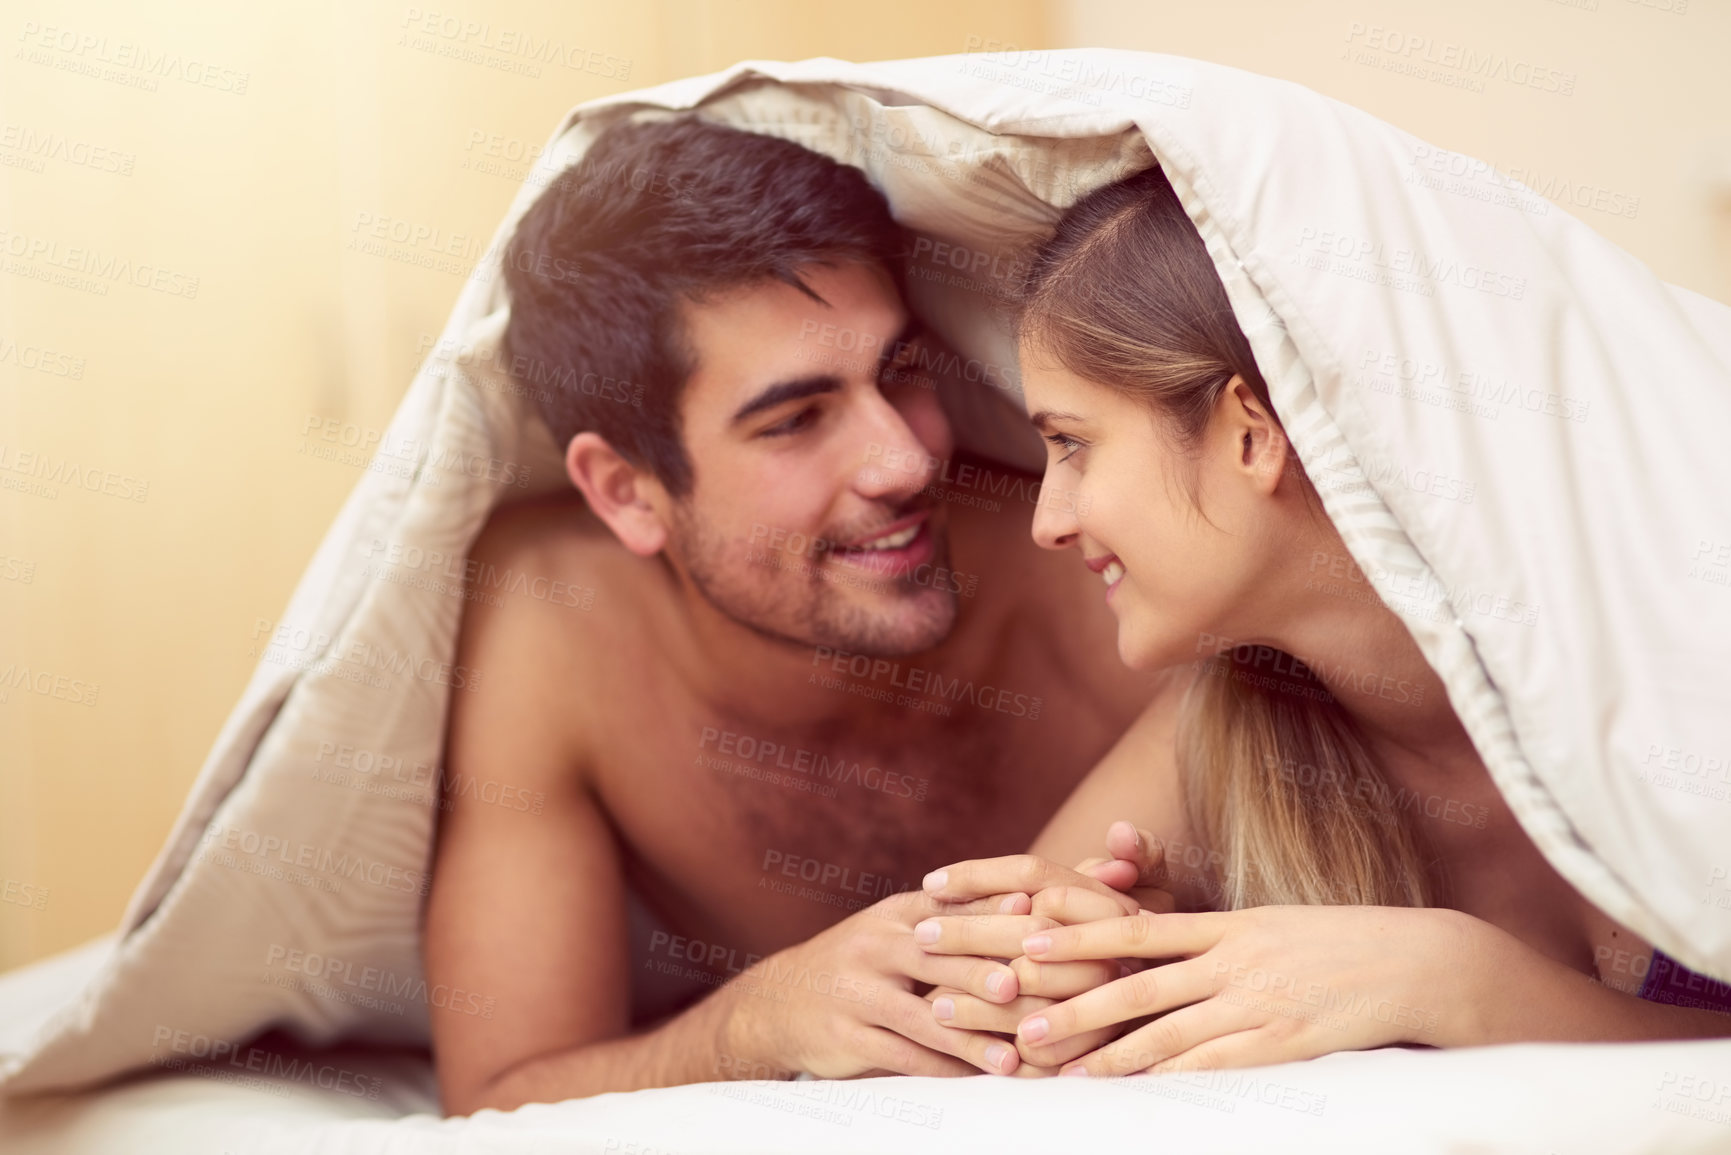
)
(276, 1097)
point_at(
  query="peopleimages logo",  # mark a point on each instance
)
(334, 973)
(63, 687)
(837, 770)
(1366, 259)
(783, 549)
(105, 268)
(189, 1045)
(1448, 61)
(123, 61)
(917, 680)
(64, 471)
(221, 843)
(971, 483)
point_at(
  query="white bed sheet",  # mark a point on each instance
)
(1670, 1098)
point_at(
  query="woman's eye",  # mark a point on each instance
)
(793, 424)
(1069, 445)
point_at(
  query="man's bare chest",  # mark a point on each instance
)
(760, 828)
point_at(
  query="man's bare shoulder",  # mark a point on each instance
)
(550, 595)
(543, 532)
(551, 560)
(549, 591)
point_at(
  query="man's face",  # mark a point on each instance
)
(814, 450)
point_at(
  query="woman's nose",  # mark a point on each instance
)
(1054, 522)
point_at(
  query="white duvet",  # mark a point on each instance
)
(1517, 428)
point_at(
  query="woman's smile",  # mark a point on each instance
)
(1110, 569)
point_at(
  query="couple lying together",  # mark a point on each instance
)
(846, 775)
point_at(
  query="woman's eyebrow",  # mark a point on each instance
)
(1044, 418)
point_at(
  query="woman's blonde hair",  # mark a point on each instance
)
(1277, 777)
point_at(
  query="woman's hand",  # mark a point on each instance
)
(1049, 895)
(1137, 867)
(1265, 985)
(958, 1009)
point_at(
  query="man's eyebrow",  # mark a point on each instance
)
(784, 391)
(1044, 418)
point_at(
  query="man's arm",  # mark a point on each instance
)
(526, 944)
(526, 941)
(536, 922)
(532, 919)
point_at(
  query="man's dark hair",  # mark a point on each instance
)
(656, 213)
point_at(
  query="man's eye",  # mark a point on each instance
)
(793, 424)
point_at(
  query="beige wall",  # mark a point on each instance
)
(1646, 120)
(349, 116)
(344, 112)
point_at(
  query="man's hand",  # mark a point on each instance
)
(1059, 897)
(1045, 895)
(847, 1002)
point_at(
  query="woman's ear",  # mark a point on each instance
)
(630, 500)
(1260, 443)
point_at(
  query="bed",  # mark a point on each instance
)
(1672, 1098)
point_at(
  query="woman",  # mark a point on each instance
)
(1345, 872)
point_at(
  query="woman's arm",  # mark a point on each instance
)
(1277, 984)
(1524, 996)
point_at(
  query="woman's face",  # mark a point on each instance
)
(1174, 569)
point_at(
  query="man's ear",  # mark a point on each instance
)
(630, 500)
(1259, 444)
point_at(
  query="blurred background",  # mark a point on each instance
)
(186, 188)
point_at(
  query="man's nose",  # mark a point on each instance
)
(896, 462)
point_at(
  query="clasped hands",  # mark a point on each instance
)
(1100, 977)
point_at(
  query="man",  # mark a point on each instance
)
(817, 664)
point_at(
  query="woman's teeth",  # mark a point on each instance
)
(892, 540)
(1113, 571)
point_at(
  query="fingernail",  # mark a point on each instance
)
(944, 1008)
(996, 1054)
(1074, 1071)
(1036, 944)
(927, 932)
(1009, 904)
(1034, 1029)
(936, 879)
(995, 981)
